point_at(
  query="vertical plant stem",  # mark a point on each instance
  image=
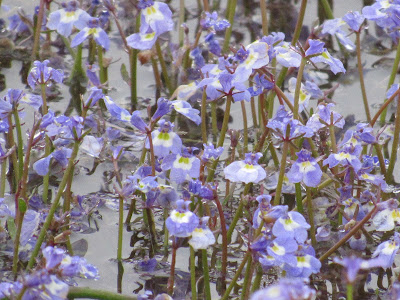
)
(164, 68)
(47, 147)
(20, 146)
(152, 157)
(257, 279)
(349, 291)
(171, 280)
(36, 38)
(239, 211)
(247, 278)
(207, 290)
(193, 273)
(299, 199)
(231, 15)
(49, 218)
(299, 24)
(14, 159)
(19, 220)
(361, 75)
(285, 149)
(391, 79)
(214, 118)
(327, 9)
(298, 87)
(311, 216)
(103, 70)
(203, 116)
(3, 177)
(264, 16)
(166, 234)
(120, 227)
(246, 258)
(224, 238)
(245, 130)
(133, 54)
(393, 153)
(181, 21)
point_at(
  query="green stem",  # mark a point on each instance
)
(298, 87)
(203, 117)
(311, 216)
(49, 218)
(231, 15)
(77, 69)
(207, 290)
(299, 24)
(247, 278)
(84, 292)
(299, 199)
(257, 279)
(236, 277)
(68, 46)
(245, 130)
(36, 39)
(120, 227)
(383, 107)
(239, 211)
(164, 68)
(349, 291)
(181, 20)
(264, 17)
(20, 220)
(395, 144)
(166, 234)
(214, 118)
(47, 148)
(285, 149)
(193, 273)
(133, 54)
(391, 79)
(327, 9)
(103, 70)
(224, 238)
(20, 147)
(14, 159)
(3, 177)
(361, 75)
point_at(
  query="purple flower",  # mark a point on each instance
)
(202, 236)
(304, 263)
(182, 222)
(348, 156)
(305, 169)
(184, 166)
(212, 44)
(334, 28)
(210, 152)
(158, 17)
(211, 21)
(247, 170)
(165, 140)
(163, 107)
(92, 29)
(282, 249)
(325, 117)
(197, 188)
(286, 56)
(119, 112)
(335, 65)
(316, 48)
(286, 289)
(138, 122)
(354, 20)
(63, 20)
(353, 265)
(184, 108)
(42, 74)
(293, 225)
(142, 40)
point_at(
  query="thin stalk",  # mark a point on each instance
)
(20, 147)
(299, 199)
(349, 291)
(264, 17)
(247, 279)
(285, 149)
(152, 157)
(206, 6)
(361, 75)
(166, 234)
(245, 130)
(193, 273)
(14, 159)
(164, 68)
(181, 20)
(120, 227)
(36, 38)
(221, 140)
(344, 239)
(257, 279)
(253, 112)
(207, 290)
(47, 148)
(395, 144)
(49, 218)
(391, 79)
(3, 177)
(231, 15)
(19, 220)
(203, 117)
(299, 24)
(246, 258)
(383, 107)
(327, 9)
(171, 279)
(224, 238)
(298, 87)
(152, 230)
(311, 216)
(75, 292)
(214, 119)
(103, 70)
(68, 46)
(133, 54)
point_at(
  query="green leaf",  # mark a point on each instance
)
(12, 229)
(22, 205)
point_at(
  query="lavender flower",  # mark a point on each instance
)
(202, 236)
(165, 140)
(305, 169)
(247, 170)
(182, 222)
(92, 29)
(293, 225)
(42, 74)
(183, 166)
